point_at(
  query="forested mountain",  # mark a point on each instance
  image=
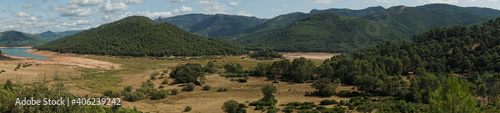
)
(218, 25)
(252, 34)
(18, 39)
(286, 33)
(414, 20)
(350, 12)
(327, 32)
(140, 36)
(49, 35)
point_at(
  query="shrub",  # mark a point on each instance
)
(222, 90)
(207, 87)
(156, 95)
(189, 87)
(328, 102)
(107, 93)
(230, 106)
(136, 96)
(188, 108)
(342, 102)
(154, 75)
(165, 81)
(174, 92)
(115, 94)
(259, 107)
(162, 87)
(128, 89)
(242, 105)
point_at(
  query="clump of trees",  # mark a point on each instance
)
(268, 99)
(300, 70)
(265, 54)
(187, 73)
(232, 106)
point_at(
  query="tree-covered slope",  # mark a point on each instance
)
(140, 36)
(253, 33)
(414, 20)
(18, 39)
(49, 35)
(218, 25)
(350, 12)
(327, 32)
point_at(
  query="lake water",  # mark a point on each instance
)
(20, 52)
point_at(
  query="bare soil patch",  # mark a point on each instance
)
(57, 58)
(308, 55)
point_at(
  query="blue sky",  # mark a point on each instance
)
(35, 16)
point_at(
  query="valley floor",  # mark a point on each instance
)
(88, 75)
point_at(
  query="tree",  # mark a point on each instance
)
(231, 68)
(268, 90)
(324, 87)
(187, 73)
(230, 106)
(301, 70)
(262, 69)
(367, 83)
(454, 97)
(210, 67)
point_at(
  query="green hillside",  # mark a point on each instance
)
(49, 35)
(327, 32)
(218, 25)
(18, 39)
(325, 35)
(253, 33)
(140, 36)
(350, 12)
(414, 20)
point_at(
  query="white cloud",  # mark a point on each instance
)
(86, 2)
(73, 10)
(322, 1)
(112, 7)
(134, 2)
(233, 4)
(177, 1)
(243, 13)
(205, 2)
(277, 10)
(23, 14)
(215, 9)
(183, 9)
(444, 1)
(154, 14)
(285, 5)
(493, 0)
(26, 6)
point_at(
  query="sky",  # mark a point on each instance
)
(36, 16)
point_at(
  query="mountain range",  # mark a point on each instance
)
(274, 32)
(49, 35)
(19, 39)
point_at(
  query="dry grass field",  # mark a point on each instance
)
(88, 75)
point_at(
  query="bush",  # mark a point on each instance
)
(128, 89)
(136, 96)
(165, 81)
(188, 108)
(230, 106)
(259, 107)
(107, 93)
(207, 87)
(156, 95)
(115, 95)
(162, 87)
(222, 90)
(328, 102)
(174, 92)
(189, 87)
(154, 75)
